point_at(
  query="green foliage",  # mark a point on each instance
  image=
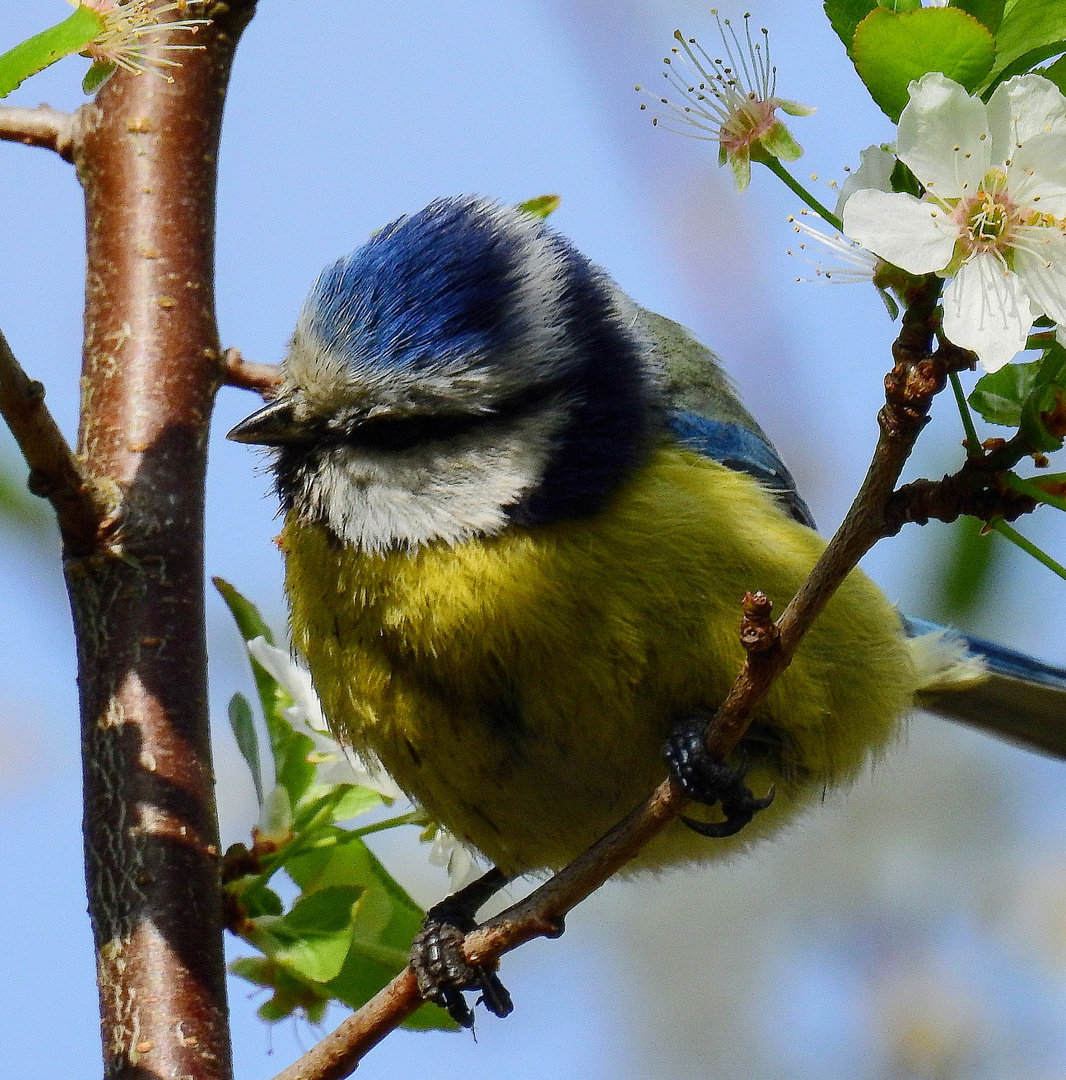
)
(1031, 397)
(845, 16)
(349, 930)
(890, 50)
(43, 49)
(99, 72)
(1056, 73)
(541, 205)
(978, 43)
(243, 727)
(1031, 31)
(989, 12)
(998, 396)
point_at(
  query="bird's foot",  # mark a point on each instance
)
(441, 968)
(707, 781)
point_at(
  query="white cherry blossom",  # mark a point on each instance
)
(731, 99)
(335, 764)
(992, 214)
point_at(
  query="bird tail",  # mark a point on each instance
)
(994, 689)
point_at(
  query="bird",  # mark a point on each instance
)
(520, 513)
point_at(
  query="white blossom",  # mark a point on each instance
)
(875, 171)
(992, 214)
(449, 851)
(732, 100)
(851, 264)
(336, 764)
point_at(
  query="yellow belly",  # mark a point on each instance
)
(520, 688)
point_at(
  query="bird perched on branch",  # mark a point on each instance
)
(520, 515)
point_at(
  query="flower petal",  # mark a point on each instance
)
(1043, 271)
(1036, 176)
(1020, 108)
(917, 236)
(293, 679)
(874, 171)
(943, 137)
(986, 309)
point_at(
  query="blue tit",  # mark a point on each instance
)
(520, 514)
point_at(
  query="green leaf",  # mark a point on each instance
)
(541, 206)
(96, 76)
(314, 937)
(891, 50)
(1056, 73)
(289, 992)
(388, 918)
(308, 941)
(998, 397)
(1043, 420)
(1031, 31)
(243, 726)
(354, 802)
(290, 748)
(988, 12)
(334, 802)
(1053, 366)
(43, 49)
(260, 900)
(246, 615)
(845, 15)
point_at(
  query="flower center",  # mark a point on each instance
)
(749, 120)
(989, 220)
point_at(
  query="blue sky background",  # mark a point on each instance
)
(915, 927)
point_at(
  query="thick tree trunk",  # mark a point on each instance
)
(146, 155)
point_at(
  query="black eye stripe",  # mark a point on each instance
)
(385, 432)
(403, 432)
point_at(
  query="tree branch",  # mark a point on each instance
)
(910, 387)
(146, 149)
(264, 379)
(978, 489)
(54, 474)
(42, 126)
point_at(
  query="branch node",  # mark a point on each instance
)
(42, 126)
(758, 632)
(264, 379)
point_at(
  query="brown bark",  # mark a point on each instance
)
(145, 151)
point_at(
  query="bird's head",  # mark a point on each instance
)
(464, 370)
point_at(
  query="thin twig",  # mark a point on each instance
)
(54, 474)
(264, 379)
(916, 378)
(43, 126)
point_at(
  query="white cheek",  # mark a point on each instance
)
(448, 491)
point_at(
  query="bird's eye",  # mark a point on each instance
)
(404, 432)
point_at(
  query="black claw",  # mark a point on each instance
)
(707, 781)
(442, 969)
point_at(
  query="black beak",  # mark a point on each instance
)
(272, 425)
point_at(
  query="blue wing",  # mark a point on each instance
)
(743, 450)
(707, 415)
(1023, 700)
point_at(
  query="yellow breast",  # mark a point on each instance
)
(520, 687)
